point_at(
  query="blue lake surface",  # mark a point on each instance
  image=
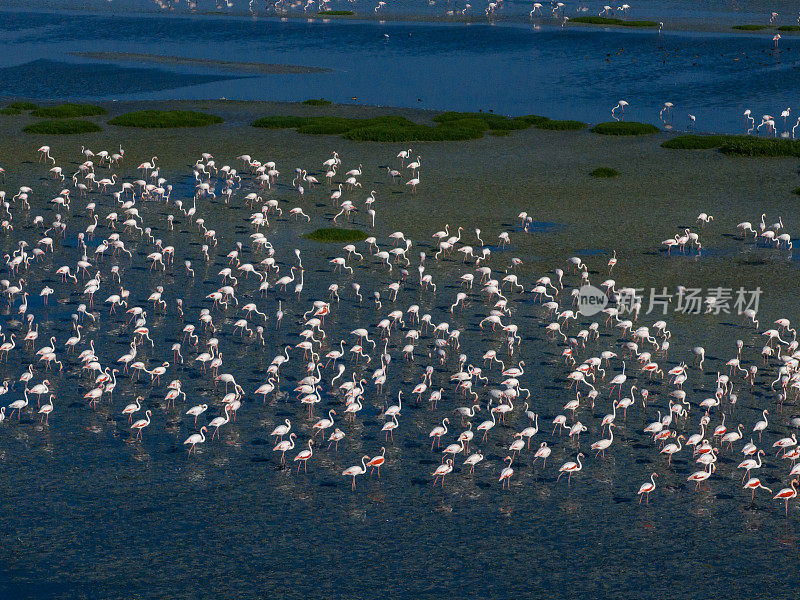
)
(577, 73)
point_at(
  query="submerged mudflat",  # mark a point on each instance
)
(91, 509)
(227, 65)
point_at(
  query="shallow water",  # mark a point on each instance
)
(674, 13)
(92, 513)
(575, 73)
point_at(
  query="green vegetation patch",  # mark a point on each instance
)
(789, 28)
(450, 126)
(796, 191)
(418, 133)
(612, 21)
(336, 13)
(317, 102)
(554, 125)
(604, 172)
(379, 129)
(737, 145)
(160, 119)
(487, 120)
(751, 146)
(63, 127)
(749, 27)
(69, 111)
(695, 142)
(334, 234)
(281, 122)
(625, 128)
(10, 111)
(21, 105)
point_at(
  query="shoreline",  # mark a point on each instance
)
(231, 110)
(678, 26)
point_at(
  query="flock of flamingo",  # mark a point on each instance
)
(551, 11)
(385, 365)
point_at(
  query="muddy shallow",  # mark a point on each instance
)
(89, 512)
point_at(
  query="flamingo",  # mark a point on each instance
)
(285, 446)
(506, 473)
(304, 456)
(18, 405)
(441, 471)
(194, 439)
(130, 409)
(355, 470)
(141, 424)
(376, 462)
(570, 467)
(787, 494)
(646, 488)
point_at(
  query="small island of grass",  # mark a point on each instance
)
(161, 119)
(625, 128)
(450, 126)
(695, 142)
(743, 145)
(789, 28)
(749, 27)
(10, 111)
(604, 173)
(69, 111)
(738, 145)
(612, 21)
(336, 13)
(63, 127)
(22, 105)
(555, 125)
(334, 234)
(317, 102)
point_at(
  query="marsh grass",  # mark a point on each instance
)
(22, 105)
(317, 102)
(10, 111)
(334, 234)
(62, 127)
(737, 145)
(750, 146)
(161, 119)
(450, 126)
(604, 173)
(757, 27)
(554, 125)
(69, 111)
(613, 21)
(695, 142)
(625, 128)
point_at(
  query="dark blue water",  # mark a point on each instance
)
(573, 73)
